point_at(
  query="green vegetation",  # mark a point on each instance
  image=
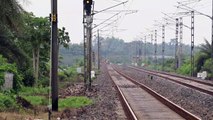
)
(11, 68)
(7, 102)
(74, 102)
(36, 100)
(30, 91)
(203, 59)
(185, 69)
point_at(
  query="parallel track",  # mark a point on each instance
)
(201, 86)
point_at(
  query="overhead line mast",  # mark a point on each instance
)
(54, 55)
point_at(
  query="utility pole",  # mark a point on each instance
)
(163, 46)
(181, 42)
(54, 55)
(192, 43)
(141, 50)
(89, 51)
(98, 51)
(151, 48)
(212, 31)
(85, 47)
(155, 49)
(211, 17)
(145, 48)
(176, 44)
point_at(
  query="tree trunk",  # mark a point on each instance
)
(36, 55)
(37, 63)
(34, 63)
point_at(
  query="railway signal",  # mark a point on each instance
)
(88, 6)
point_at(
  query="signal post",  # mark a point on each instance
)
(87, 6)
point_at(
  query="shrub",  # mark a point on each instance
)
(29, 79)
(7, 103)
(7, 67)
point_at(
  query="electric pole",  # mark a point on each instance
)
(152, 48)
(54, 55)
(192, 43)
(88, 40)
(155, 49)
(145, 48)
(176, 44)
(85, 47)
(181, 43)
(98, 51)
(163, 46)
(212, 31)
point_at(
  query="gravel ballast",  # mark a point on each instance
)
(198, 103)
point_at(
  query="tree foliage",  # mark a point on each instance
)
(11, 68)
(203, 59)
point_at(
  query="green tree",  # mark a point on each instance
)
(11, 24)
(203, 58)
(36, 42)
(10, 15)
(203, 54)
(63, 37)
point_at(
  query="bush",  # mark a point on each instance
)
(185, 69)
(44, 81)
(29, 79)
(7, 67)
(208, 67)
(7, 103)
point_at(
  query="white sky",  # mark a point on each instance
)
(128, 27)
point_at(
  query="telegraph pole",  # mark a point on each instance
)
(163, 46)
(155, 49)
(192, 43)
(54, 55)
(176, 44)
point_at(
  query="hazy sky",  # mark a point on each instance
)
(127, 26)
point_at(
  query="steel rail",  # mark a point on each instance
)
(179, 82)
(127, 108)
(179, 110)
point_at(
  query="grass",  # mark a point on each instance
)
(74, 102)
(70, 102)
(34, 91)
(36, 100)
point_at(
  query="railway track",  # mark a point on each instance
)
(141, 102)
(199, 85)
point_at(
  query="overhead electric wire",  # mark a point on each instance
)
(110, 7)
(106, 20)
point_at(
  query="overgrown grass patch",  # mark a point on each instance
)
(7, 102)
(34, 91)
(74, 102)
(36, 100)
